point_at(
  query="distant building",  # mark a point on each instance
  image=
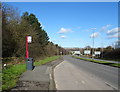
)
(87, 52)
(76, 53)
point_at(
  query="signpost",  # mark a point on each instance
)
(28, 40)
(29, 63)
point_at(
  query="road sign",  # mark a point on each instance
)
(29, 39)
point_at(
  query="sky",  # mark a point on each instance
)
(76, 24)
(60, 0)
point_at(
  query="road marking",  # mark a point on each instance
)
(50, 76)
(110, 85)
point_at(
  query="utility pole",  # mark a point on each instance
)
(93, 46)
(93, 43)
(102, 49)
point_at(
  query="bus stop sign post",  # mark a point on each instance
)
(28, 40)
(29, 63)
(27, 53)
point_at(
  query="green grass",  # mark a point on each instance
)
(11, 74)
(117, 60)
(48, 59)
(100, 62)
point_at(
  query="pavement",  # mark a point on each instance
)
(40, 78)
(75, 74)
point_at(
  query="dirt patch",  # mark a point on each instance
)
(31, 85)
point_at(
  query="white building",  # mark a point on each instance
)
(76, 53)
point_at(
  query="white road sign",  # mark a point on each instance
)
(29, 38)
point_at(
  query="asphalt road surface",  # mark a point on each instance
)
(75, 74)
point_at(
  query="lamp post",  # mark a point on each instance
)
(93, 46)
(93, 42)
(102, 48)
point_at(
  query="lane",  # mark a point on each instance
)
(108, 74)
(69, 77)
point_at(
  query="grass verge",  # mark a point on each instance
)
(48, 59)
(11, 74)
(100, 62)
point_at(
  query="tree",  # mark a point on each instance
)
(14, 32)
(9, 21)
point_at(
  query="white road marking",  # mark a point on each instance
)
(50, 76)
(110, 85)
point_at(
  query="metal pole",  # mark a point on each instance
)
(27, 52)
(102, 49)
(93, 45)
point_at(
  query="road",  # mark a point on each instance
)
(75, 74)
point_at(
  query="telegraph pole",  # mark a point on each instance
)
(93, 43)
(93, 46)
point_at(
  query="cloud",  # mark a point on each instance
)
(113, 33)
(113, 36)
(64, 30)
(63, 36)
(104, 28)
(96, 34)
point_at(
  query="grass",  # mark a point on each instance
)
(11, 74)
(48, 59)
(100, 62)
(117, 60)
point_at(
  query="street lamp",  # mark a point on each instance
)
(93, 42)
